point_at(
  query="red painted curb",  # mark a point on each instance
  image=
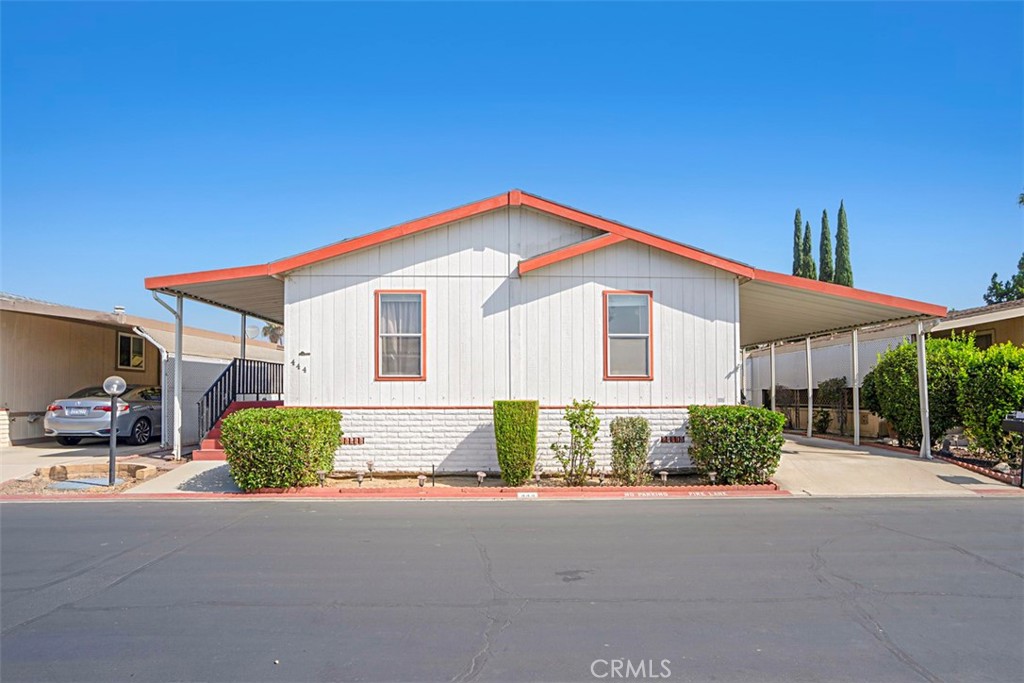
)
(482, 493)
(991, 474)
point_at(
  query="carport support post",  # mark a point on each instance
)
(922, 392)
(810, 390)
(178, 353)
(242, 338)
(771, 363)
(856, 390)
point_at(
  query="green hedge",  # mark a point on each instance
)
(741, 444)
(515, 435)
(892, 386)
(280, 447)
(992, 387)
(631, 440)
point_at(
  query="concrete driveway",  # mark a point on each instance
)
(821, 467)
(20, 461)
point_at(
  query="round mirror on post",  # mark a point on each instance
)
(114, 385)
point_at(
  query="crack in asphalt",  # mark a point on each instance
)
(821, 571)
(479, 659)
(951, 546)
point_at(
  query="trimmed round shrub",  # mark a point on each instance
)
(741, 444)
(515, 435)
(891, 387)
(993, 387)
(631, 440)
(280, 447)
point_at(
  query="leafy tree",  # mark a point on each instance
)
(827, 272)
(844, 270)
(798, 258)
(808, 268)
(1011, 290)
(273, 332)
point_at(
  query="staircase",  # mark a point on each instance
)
(241, 378)
(210, 448)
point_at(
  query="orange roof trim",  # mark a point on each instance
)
(571, 251)
(614, 233)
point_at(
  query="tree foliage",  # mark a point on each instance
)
(809, 270)
(798, 254)
(825, 270)
(1010, 290)
(577, 458)
(890, 389)
(844, 269)
(991, 388)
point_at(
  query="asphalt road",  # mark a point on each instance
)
(728, 590)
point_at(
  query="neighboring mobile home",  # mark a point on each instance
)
(48, 351)
(413, 331)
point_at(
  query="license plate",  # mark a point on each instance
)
(76, 412)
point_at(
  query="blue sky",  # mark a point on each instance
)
(164, 138)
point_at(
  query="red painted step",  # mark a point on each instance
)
(210, 448)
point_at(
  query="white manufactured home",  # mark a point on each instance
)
(412, 332)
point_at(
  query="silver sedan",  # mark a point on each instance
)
(86, 413)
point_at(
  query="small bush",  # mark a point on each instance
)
(741, 444)
(631, 439)
(280, 448)
(515, 434)
(822, 420)
(577, 458)
(992, 387)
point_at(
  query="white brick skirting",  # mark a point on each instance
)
(5, 429)
(462, 440)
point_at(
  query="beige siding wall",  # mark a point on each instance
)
(42, 359)
(492, 334)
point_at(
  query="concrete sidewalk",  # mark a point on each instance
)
(821, 467)
(203, 476)
(17, 462)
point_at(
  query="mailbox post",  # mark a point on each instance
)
(114, 386)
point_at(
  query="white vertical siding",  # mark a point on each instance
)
(491, 334)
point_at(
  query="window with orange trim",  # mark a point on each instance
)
(401, 323)
(628, 338)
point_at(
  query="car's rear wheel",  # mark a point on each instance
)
(141, 431)
(68, 440)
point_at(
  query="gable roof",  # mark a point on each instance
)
(263, 294)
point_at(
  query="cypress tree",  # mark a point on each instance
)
(826, 273)
(844, 270)
(807, 255)
(797, 246)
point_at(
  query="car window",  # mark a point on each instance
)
(90, 392)
(150, 394)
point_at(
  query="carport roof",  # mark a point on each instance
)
(773, 306)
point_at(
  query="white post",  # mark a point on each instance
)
(178, 353)
(771, 363)
(242, 337)
(810, 390)
(856, 391)
(922, 391)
